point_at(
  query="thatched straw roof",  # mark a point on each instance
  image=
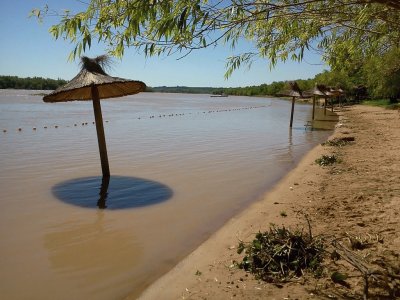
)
(323, 90)
(319, 90)
(293, 91)
(334, 93)
(92, 74)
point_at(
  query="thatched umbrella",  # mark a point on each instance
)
(92, 83)
(293, 91)
(318, 90)
(332, 93)
(341, 93)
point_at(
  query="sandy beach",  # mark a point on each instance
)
(355, 199)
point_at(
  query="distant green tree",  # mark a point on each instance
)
(382, 75)
(337, 78)
(30, 83)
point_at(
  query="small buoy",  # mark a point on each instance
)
(106, 121)
(92, 122)
(4, 130)
(56, 126)
(75, 125)
(19, 129)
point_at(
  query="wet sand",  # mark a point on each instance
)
(358, 197)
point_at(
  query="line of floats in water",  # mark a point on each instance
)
(155, 116)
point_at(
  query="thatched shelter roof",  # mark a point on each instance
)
(293, 91)
(92, 74)
(319, 90)
(334, 93)
(323, 90)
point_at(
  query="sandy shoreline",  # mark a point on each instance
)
(357, 197)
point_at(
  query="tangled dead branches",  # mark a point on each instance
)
(280, 254)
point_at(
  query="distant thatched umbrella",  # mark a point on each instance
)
(336, 92)
(319, 90)
(92, 83)
(293, 91)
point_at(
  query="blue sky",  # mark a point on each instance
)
(28, 49)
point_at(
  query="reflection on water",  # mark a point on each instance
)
(116, 192)
(324, 121)
(105, 182)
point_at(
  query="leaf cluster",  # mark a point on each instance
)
(279, 30)
(280, 254)
(358, 39)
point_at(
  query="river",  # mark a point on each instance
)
(181, 166)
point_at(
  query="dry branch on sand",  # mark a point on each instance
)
(280, 254)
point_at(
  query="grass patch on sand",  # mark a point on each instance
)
(382, 103)
(326, 160)
(339, 142)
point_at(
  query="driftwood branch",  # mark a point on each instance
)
(356, 261)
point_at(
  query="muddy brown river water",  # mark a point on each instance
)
(181, 166)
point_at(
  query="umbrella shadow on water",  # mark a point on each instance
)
(115, 192)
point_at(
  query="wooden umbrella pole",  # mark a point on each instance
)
(326, 102)
(100, 132)
(313, 108)
(105, 181)
(291, 113)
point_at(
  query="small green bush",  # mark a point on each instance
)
(326, 160)
(339, 142)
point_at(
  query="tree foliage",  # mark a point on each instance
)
(358, 39)
(343, 30)
(382, 75)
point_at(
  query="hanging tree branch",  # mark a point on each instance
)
(279, 29)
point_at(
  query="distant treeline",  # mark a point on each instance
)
(271, 89)
(354, 85)
(183, 89)
(30, 83)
